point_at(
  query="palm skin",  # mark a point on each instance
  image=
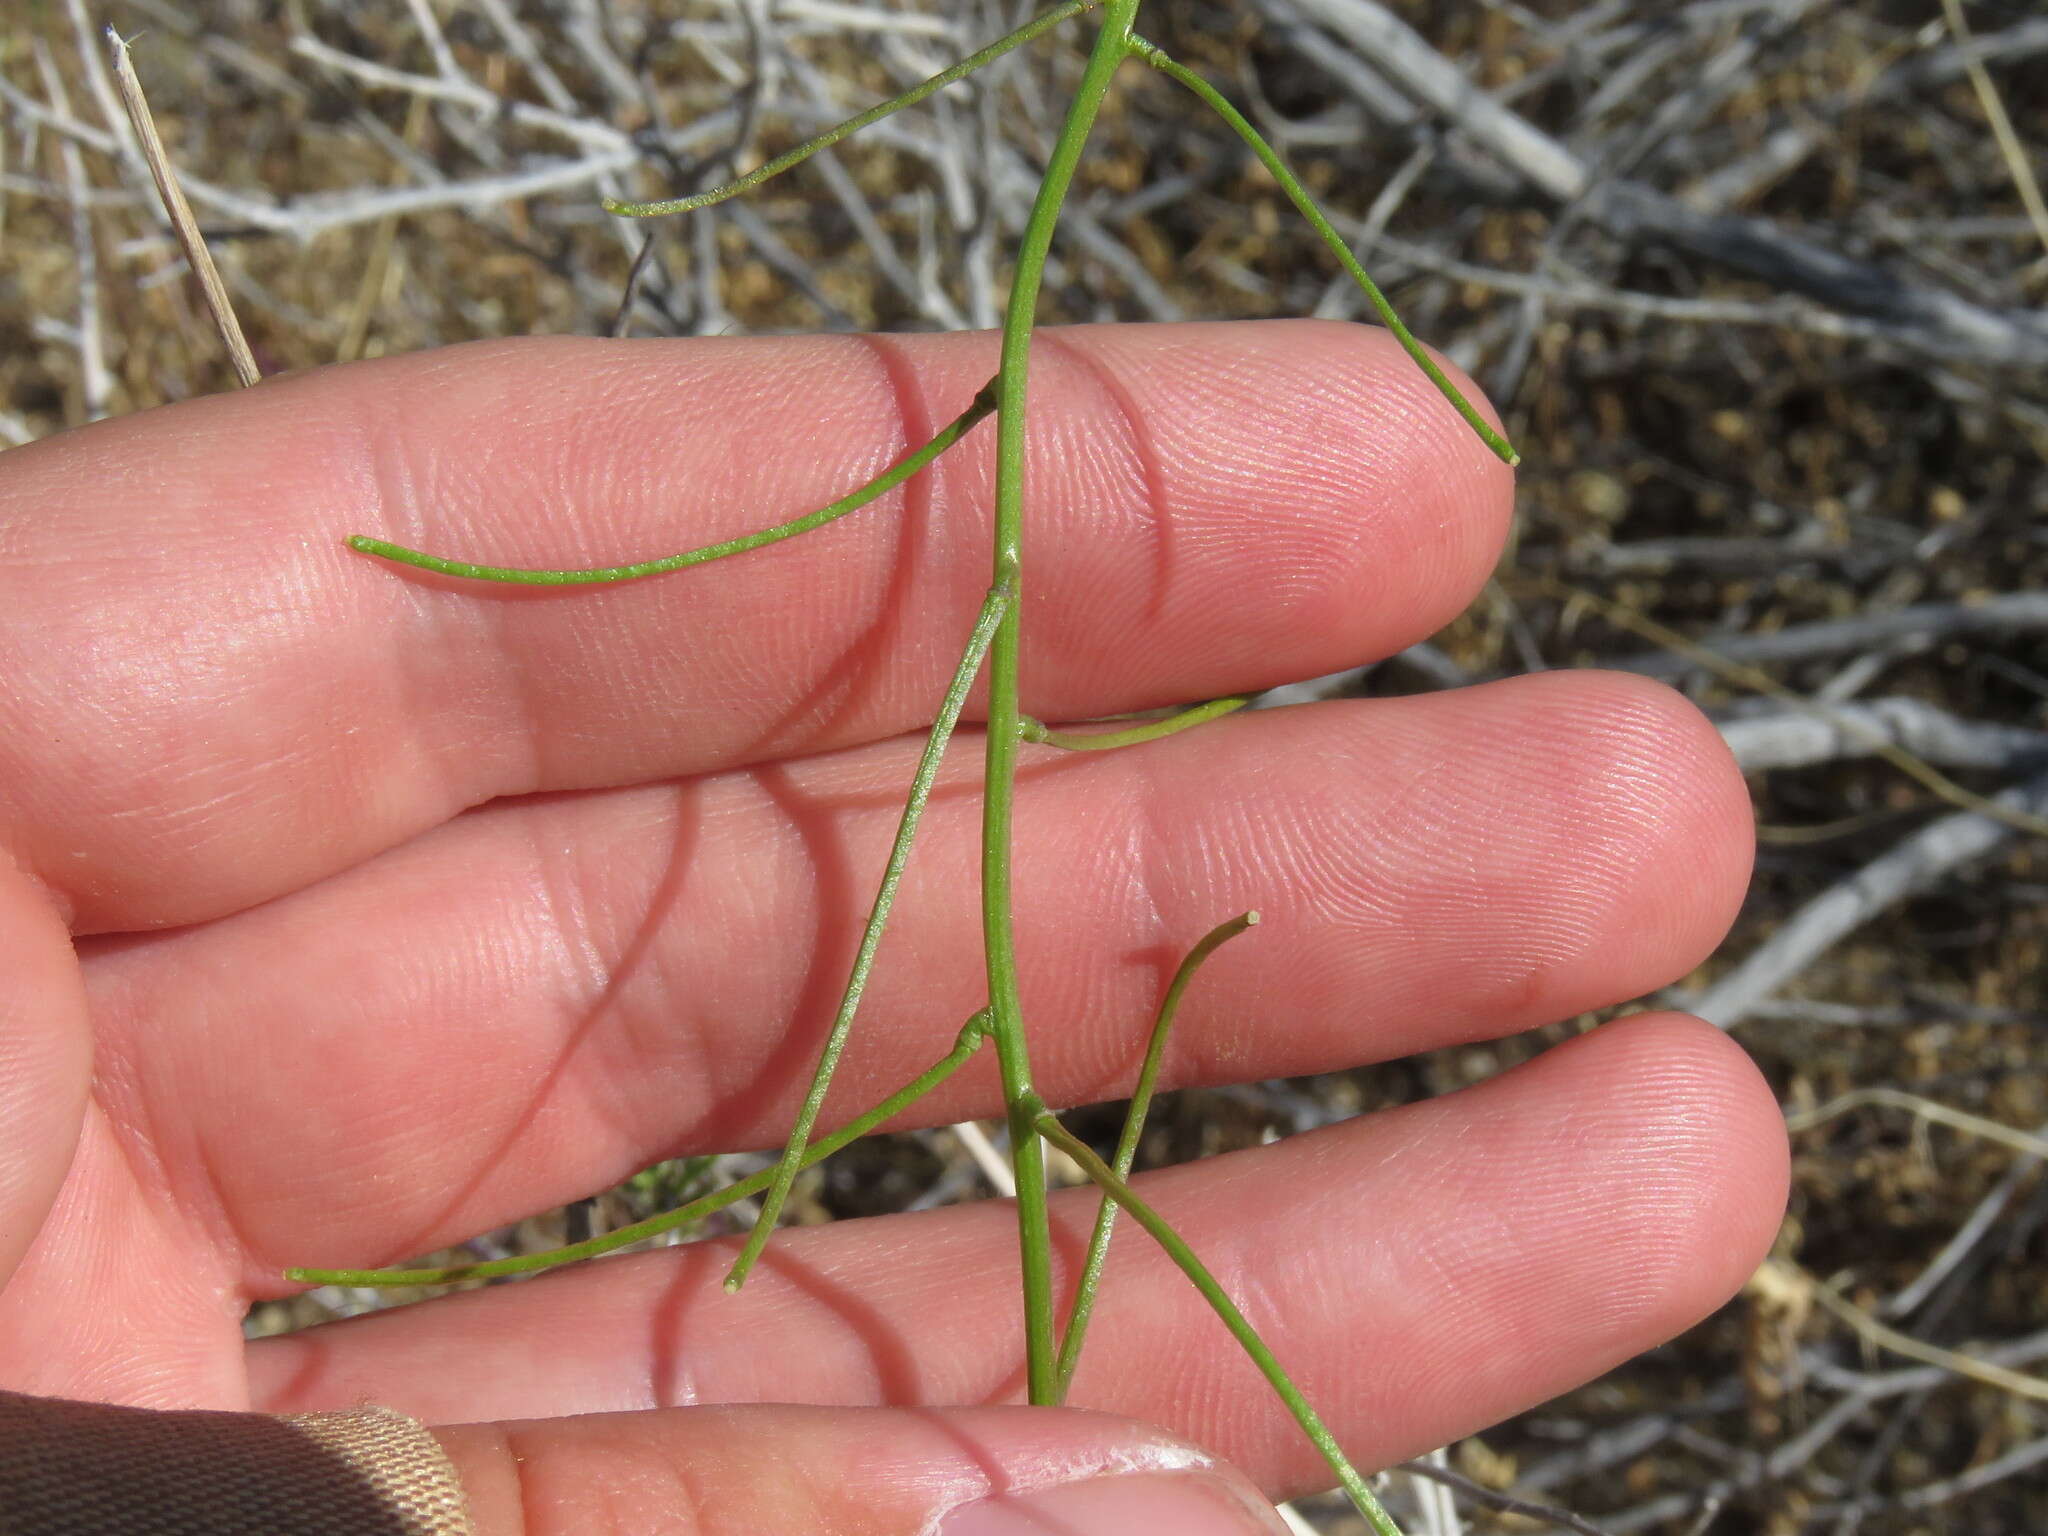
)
(350, 912)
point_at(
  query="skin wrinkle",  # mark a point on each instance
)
(524, 1479)
(915, 423)
(559, 1109)
(560, 909)
(485, 1458)
(217, 1219)
(411, 660)
(520, 924)
(1131, 430)
(128, 1116)
(526, 934)
(663, 1038)
(1157, 893)
(1109, 1067)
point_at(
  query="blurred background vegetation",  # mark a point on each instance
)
(1757, 286)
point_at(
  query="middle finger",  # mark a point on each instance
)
(546, 994)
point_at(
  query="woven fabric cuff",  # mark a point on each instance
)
(87, 1469)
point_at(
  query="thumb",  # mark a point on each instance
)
(777, 1470)
(45, 1060)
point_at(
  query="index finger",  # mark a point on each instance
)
(214, 701)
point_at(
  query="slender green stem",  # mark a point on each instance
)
(994, 608)
(1177, 1249)
(1127, 1143)
(1006, 1018)
(1040, 734)
(964, 1047)
(1035, 28)
(887, 481)
(1299, 196)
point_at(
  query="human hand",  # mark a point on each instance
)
(389, 908)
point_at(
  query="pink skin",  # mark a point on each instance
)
(341, 1009)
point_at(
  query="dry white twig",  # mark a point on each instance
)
(1928, 319)
(307, 217)
(993, 1165)
(2009, 144)
(2021, 1458)
(1982, 1218)
(2008, 612)
(1919, 861)
(86, 334)
(464, 92)
(179, 212)
(1801, 738)
(57, 118)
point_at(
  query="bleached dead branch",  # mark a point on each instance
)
(1767, 736)
(1916, 863)
(1928, 319)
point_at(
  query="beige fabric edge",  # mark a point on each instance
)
(71, 1468)
(399, 1458)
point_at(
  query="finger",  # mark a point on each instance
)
(86, 1466)
(45, 1061)
(1422, 1273)
(94, 1302)
(246, 705)
(791, 1471)
(543, 997)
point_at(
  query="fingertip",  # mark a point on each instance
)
(782, 1470)
(1653, 813)
(1705, 819)
(1702, 1182)
(1305, 473)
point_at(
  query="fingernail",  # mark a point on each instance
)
(1134, 1504)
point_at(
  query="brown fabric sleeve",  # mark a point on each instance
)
(86, 1469)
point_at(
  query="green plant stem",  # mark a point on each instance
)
(887, 481)
(999, 603)
(1306, 205)
(1006, 1019)
(964, 1047)
(1177, 1249)
(1127, 1142)
(1035, 28)
(1039, 734)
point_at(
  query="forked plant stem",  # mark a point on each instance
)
(1219, 1301)
(996, 608)
(999, 788)
(1127, 1140)
(997, 638)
